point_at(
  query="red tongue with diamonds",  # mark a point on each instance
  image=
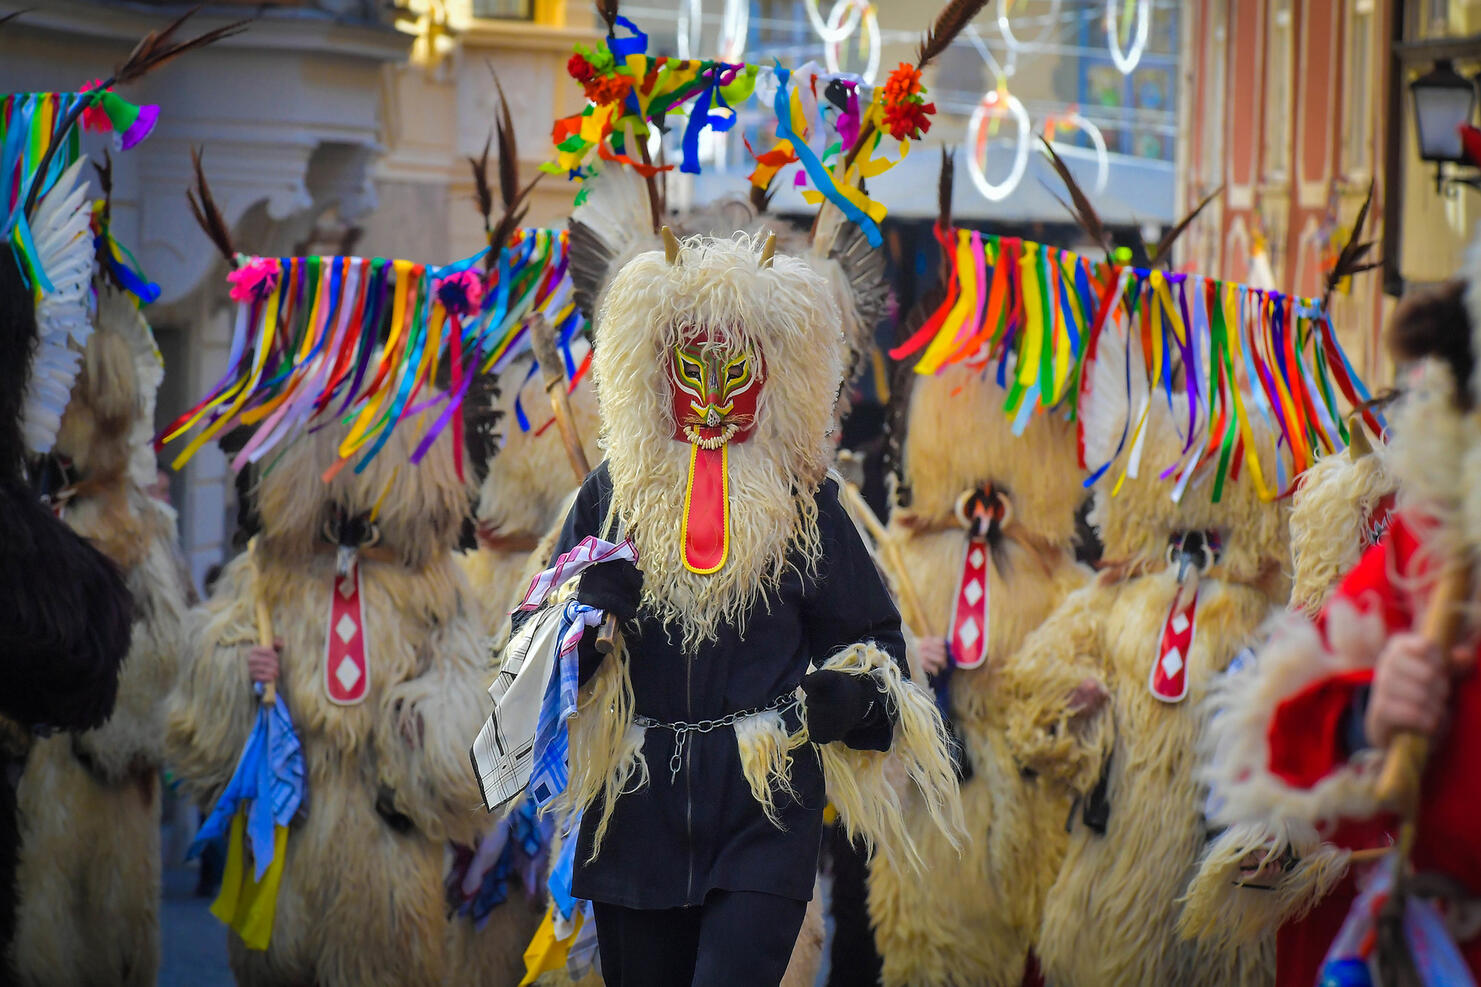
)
(346, 652)
(969, 618)
(706, 511)
(1169, 679)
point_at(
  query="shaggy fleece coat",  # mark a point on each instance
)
(971, 917)
(89, 875)
(1111, 915)
(361, 901)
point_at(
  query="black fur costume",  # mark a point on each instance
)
(65, 613)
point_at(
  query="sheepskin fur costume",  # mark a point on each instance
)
(1432, 425)
(1333, 521)
(783, 313)
(522, 501)
(971, 918)
(89, 877)
(1081, 712)
(361, 901)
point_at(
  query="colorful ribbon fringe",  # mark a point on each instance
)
(818, 119)
(1033, 315)
(27, 123)
(363, 339)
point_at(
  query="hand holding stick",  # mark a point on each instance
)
(1398, 783)
(264, 622)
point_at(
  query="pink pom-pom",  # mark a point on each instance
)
(461, 294)
(255, 280)
(95, 118)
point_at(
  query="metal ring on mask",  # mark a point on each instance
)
(1003, 514)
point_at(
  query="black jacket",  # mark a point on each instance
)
(681, 836)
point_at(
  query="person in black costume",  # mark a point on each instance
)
(65, 613)
(761, 668)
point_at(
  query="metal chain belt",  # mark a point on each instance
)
(682, 730)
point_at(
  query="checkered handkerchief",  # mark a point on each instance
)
(524, 742)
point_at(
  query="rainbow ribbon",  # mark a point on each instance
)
(362, 340)
(814, 133)
(1035, 314)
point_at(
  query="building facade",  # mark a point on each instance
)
(1287, 111)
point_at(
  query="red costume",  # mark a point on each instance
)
(1309, 741)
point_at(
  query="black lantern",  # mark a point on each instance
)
(1443, 101)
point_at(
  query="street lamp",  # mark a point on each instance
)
(1444, 100)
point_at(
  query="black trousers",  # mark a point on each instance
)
(735, 939)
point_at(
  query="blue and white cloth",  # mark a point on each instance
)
(270, 776)
(525, 743)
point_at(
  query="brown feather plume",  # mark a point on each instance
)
(952, 21)
(607, 9)
(508, 149)
(1352, 258)
(105, 181)
(203, 207)
(156, 48)
(944, 186)
(512, 196)
(1083, 212)
(483, 194)
(1162, 253)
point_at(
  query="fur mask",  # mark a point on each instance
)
(1141, 526)
(784, 314)
(960, 439)
(418, 510)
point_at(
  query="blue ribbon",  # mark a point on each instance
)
(815, 169)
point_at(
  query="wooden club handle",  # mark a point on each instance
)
(607, 635)
(265, 638)
(1398, 783)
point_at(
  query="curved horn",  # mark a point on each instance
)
(768, 252)
(1358, 445)
(670, 245)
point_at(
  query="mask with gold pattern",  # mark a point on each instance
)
(715, 391)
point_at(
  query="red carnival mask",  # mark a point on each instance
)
(715, 393)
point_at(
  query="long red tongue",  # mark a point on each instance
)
(1169, 678)
(706, 511)
(969, 619)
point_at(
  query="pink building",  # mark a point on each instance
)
(1287, 106)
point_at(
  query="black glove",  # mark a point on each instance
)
(614, 587)
(839, 703)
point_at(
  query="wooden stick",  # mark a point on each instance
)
(1398, 783)
(264, 621)
(542, 340)
(911, 610)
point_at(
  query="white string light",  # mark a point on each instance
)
(734, 26)
(1102, 157)
(1127, 62)
(1006, 29)
(863, 12)
(832, 33)
(997, 103)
